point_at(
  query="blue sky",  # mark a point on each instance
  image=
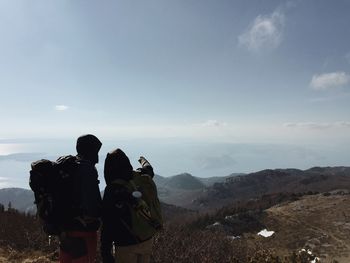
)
(206, 87)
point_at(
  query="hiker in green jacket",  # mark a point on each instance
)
(130, 212)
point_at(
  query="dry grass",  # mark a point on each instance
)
(182, 240)
(22, 239)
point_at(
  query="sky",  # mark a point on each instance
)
(205, 87)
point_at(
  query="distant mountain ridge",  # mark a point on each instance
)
(183, 181)
(23, 200)
(192, 192)
(183, 188)
(253, 185)
(171, 190)
(187, 181)
(20, 199)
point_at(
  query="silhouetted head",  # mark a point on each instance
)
(88, 147)
(117, 166)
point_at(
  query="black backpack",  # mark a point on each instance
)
(54, 185)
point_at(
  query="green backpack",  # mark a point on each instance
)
(146, 217)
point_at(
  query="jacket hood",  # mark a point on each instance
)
(117, 166)
(88, 147)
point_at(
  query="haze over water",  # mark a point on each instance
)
(209, 88)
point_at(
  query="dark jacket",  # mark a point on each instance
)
(116, 217)
(86, 202)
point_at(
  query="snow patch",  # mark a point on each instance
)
(266, 233)
(216, 225)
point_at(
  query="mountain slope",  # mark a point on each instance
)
(209, 181)
(274, 181)
(179, 190)
(184, 181)
(191, 192)
(319, 223)
(21, 199)
(183, 188)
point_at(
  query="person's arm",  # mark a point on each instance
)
(146, 167)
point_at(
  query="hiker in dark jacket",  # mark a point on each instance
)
(78, 240)
(116, 214)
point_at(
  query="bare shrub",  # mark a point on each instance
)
(23, 232)
(180, 245)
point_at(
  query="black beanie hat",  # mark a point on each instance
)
(88, 147)
(117, 166)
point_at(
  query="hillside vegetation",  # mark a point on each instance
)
(306, 213)
(255, 185)
(306, 227)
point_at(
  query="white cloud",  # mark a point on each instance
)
(329, 80)
(308, 125)
(214, 123)
(266, 32)
(318, 125)
(61, 107)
